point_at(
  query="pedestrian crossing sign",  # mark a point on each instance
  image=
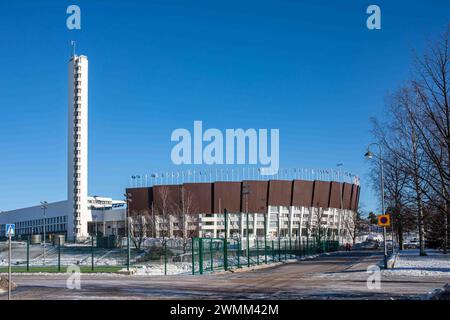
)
(384, 220)
(10, 230)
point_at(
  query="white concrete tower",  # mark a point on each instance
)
(77, 157)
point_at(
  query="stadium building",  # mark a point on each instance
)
(285, 208)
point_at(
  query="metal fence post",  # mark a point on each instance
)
(248, 243)
(59, 254)
(9, 267)
(265, 238)
(285, 250)
(273, 251)
(28, 253)
(165, 257)
(299, 248)
(225, 247)
(239, 253)
(92, 254)
(211, 253)
(265, 248)
(290, 246)
(257, 251)
(225, 255)
(279, 248)
(307, 244)
(200, 255)
(192, 255)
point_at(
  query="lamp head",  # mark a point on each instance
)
(368, 155)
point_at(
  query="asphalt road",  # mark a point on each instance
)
(335, 276)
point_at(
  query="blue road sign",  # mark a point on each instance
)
(10, 230)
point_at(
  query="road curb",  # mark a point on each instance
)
(439, 294)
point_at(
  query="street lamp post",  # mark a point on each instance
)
(127, 222)
(370, 155)
(44, 207)
(341, 196)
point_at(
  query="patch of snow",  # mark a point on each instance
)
(409, 263)
(158, 269)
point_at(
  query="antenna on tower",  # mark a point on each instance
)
(73, 44)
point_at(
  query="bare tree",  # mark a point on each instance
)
(354, 224)
(140, 228)
(163, 210)
(416, 140)
(433, 122)
(396, 177)
(185, 210)
(314, 226)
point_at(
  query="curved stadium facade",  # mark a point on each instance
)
(285, 208)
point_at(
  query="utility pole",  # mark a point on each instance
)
(128, 200)
(370, 155)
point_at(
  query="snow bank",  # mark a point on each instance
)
(409, 263)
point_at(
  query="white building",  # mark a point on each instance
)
(281, 221)
(72, 217)
(107, 213)
(77, 155)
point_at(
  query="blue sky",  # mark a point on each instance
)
(310, 68)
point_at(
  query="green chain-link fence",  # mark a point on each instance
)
(159, 256)
(211, 254)
(154, 256)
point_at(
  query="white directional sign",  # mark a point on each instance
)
(10, 230)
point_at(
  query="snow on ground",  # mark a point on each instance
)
(409, 263)
(186, 267)
(69, 261)
(158, 269)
